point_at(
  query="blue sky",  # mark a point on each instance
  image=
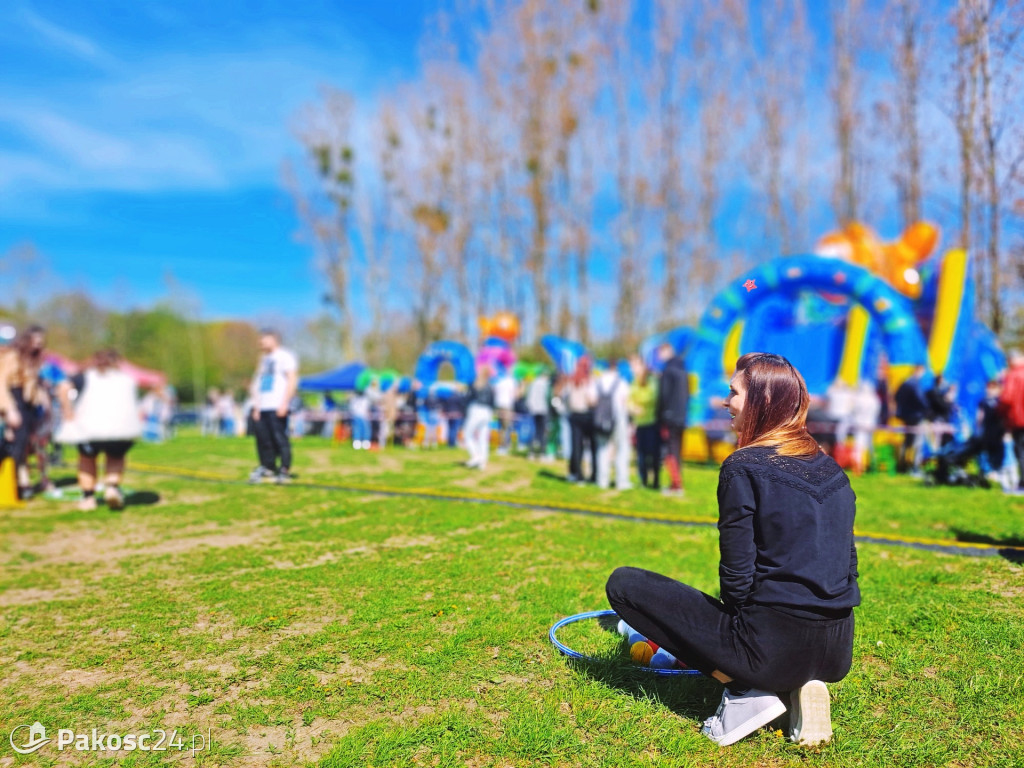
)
(139, 139)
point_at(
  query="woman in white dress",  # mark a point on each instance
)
(104, 419)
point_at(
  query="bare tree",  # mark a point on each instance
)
(665, 93)
(846, 28)
(907, 57)
(990, 136)
(779, 60)
(326, 207)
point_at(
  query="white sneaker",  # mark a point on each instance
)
(740, 716)
(114, 498)
(259, 474)
(810, 715)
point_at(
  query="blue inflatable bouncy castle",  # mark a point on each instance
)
(833, 318)
(441, 352)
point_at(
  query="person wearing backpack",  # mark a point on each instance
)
(611, 426)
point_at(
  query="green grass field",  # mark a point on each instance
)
(302, 625)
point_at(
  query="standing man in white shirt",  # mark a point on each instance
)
(273, 386)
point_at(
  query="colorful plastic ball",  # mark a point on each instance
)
(662, 659)
(641, 652)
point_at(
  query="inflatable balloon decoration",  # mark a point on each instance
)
(498, 333)
(898, 262)
(502, 325)
(497, 355)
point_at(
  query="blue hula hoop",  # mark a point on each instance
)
(567, 651)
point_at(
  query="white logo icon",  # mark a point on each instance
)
(36, 738)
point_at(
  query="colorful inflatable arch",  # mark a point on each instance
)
(832, 318)
(564, 352)
(778, 285)
(441, 352)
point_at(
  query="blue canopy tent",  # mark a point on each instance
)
(343, 378)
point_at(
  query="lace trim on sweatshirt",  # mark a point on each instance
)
(820, 479)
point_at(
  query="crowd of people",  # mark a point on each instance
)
(97, 410)
(609, 423)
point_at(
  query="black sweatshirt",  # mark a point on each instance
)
(786, 533)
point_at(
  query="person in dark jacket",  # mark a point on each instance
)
(788, 569)
(941, 399)
(912, 409)
(673, 403)
(990, 429)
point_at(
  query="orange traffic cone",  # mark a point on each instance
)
(8, 484)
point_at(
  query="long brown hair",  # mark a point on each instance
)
(23, 343)
(104, 360)
(775, 410)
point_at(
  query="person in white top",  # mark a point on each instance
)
(840, 398)
(273, 386)
(359, 410)
(613, 390)
(866, 409)
(105, 419)
(505, 403)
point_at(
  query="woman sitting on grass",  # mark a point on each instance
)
(788, 569)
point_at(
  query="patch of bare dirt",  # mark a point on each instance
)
(403, 542)
(74, 679)
(32, 595)
(509, 487)
(326, 557)
(94, 546)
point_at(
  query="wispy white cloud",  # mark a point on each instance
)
(69, 155)
(63, 39)
(176, 119)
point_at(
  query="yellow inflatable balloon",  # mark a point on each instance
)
(896, 262)
(503, 325)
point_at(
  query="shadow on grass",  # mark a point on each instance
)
(979, 538)
(1009, 547)
(690, 696)
(142, 498)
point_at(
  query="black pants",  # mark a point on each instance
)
(577, 428)
(17, 448)
(272, 441)
(674, 457)
(648, 454)
(540, 434)
(757, 646)
(1018, 448)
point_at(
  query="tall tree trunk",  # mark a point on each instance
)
(844, 28)
(990, 166)
(908, 73)
(966, 112)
